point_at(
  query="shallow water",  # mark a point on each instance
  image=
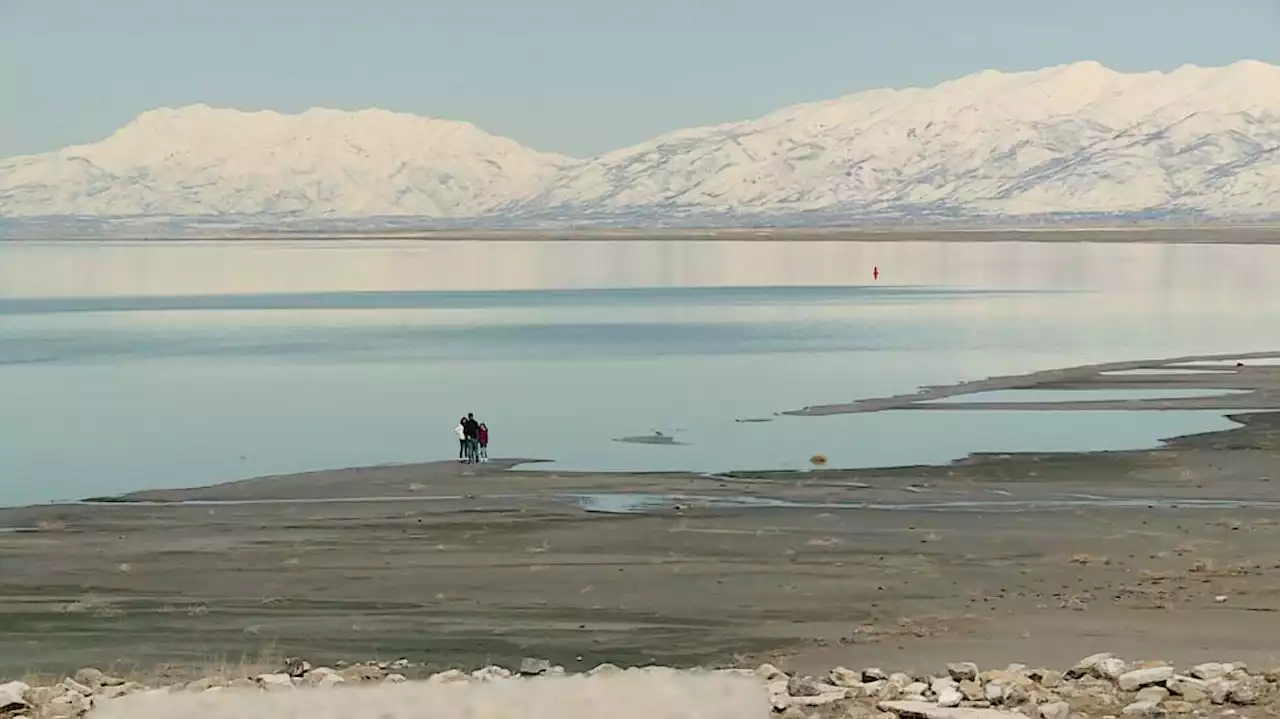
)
(1080, 395)
(134, 365)
(640, 503)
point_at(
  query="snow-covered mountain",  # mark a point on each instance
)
(202, 161)
(1074, 139)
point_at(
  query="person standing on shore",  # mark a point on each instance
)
(461, 431)
(471, 430)
(483, 435)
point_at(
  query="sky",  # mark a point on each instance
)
(572, 76)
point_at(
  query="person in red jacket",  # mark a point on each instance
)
(483, 437)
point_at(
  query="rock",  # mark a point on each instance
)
(971, 691)
(1016, 695)
(70, 685)
(793, 713)
(394, 679)
(1178, 707)
(873, 674)
(821, 700)
(1046, 678)
(296, 668)
(915, 689)
(1190, 689)
(400, 664)
(13, 697)
(492, 673)
(1054, 710)
(240, 683)
(843, 677)
(1139, 678)
(993, 692)
(275, 682)
(1210, 670)
(1087, 666)
(1141, 709)
(951, 697)
(1248, 691)
(68, 706)
(1155, 694)
(769, 672)
(95, 679)
(888, 691)
(362, 673)
(1217, 689)
(902, 679)
(804, 687)
(926, 710)
(322, 677)
(452, 676)
(963, 671)
(531, 667)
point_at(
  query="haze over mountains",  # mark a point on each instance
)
(1074, 140)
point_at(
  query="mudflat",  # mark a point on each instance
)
(1041, 558)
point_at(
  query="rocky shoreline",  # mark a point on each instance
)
(1101, 685)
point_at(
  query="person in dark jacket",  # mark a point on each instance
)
(471, 429)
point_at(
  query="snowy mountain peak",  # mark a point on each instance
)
(1074, 138)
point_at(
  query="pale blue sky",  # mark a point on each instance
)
(575, 76)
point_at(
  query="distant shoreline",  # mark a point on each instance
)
(1242, 234)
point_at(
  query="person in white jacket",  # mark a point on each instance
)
(462, 440)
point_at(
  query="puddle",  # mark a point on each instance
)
(1162, 371)
(641, 503)
(1255, 362)
(301, 500)
(655, 438)
(1080, 395)
(891, 438)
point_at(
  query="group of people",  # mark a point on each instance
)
(473, 440)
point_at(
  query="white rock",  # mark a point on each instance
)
(769, 672)
(1105, 666)
(1054, 710)
(1141, 709)
(960, 671)
(1139, 678)
(843, 677)
(951, 697)
(993, 692)
(1209, 670)
(275, 682)
(322, 677)
(491, 673)
(451, 676)
(1218, 689)
(13, 696)
(394, 679)
(1155, 694)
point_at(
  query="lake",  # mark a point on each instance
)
(127, 365)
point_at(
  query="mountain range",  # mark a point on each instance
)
(1072, 140)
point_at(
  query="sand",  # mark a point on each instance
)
(1040, 558)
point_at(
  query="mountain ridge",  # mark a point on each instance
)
(1066, 140)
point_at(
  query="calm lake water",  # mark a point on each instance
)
(131, 365)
